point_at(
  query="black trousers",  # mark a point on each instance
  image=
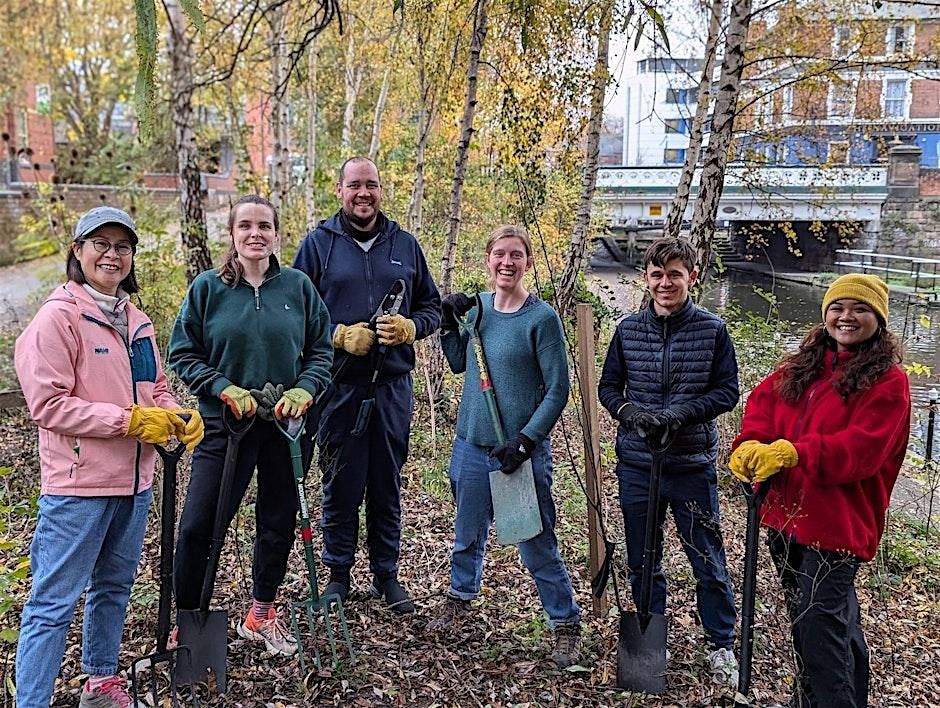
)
(266, 448)
(364, 468)
(831, 653)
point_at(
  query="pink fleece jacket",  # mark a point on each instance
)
(79, 379)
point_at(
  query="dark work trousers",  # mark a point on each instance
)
(693, 499)
(364, 467)
(263, 446)
(831, 653)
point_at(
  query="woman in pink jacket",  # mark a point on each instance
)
(92, 378)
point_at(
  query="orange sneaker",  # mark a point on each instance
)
(272, 631)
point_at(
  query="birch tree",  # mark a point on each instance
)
(310, 192)
(280, 174)
(576, 257)
(463, 147)
(719, 143)
(703, 102)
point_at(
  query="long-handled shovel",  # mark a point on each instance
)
(641, 651)
(515, 503)
(205, 631)
(317, 604)
(754, 495)
(169, 658)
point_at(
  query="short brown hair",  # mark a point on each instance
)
(353, 160)
(663, 250)
(509, 231)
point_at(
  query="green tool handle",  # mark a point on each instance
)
(306, 533)
(486, 383)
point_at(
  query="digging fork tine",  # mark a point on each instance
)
(312, 624)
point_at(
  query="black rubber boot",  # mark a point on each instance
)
(396, 597)
(339, 583)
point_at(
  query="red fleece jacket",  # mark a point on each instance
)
(850, 453)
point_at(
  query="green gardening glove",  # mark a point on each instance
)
(239, 401)
(293, 404)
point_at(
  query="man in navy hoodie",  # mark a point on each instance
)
(353, 258)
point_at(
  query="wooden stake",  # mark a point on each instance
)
(587, 383)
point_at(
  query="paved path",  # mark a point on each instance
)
(23, 287)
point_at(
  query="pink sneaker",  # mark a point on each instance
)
(110, 693)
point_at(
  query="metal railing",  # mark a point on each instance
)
(922, 273)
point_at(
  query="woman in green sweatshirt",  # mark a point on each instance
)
(525, 348)
(246, 324)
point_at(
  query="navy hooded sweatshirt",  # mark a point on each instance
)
(353, 283)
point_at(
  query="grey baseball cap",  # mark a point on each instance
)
(100, 216)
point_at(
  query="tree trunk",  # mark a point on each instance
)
(580, 241)
(463, 147)
(193, 225)
(310, 192)
(352, 79)
(383, 97)
(719, 144)
(416, 200)
(703, 100)
(280, 156)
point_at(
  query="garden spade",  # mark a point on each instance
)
(515, 504)
(641, 650)
(754, 495)
(164, 657)
(205, 631)
(293, 428)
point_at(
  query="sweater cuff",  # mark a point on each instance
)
(219, 385)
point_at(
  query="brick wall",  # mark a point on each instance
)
(925, 98)
(929, 183)
(910, 227)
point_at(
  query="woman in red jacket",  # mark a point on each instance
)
(833, 420)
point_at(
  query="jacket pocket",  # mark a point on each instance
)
(143, 360)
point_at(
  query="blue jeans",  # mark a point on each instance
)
(693, 499)
(470, 467)
(80, 542)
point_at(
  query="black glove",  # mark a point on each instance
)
(453, 306)
(675, 416)
(267, 398)
(639, 419)
(512, 453)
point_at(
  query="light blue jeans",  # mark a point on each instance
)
(80, 542)
(470, 467)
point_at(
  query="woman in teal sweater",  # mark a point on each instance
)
(525, 348)
(243, 325)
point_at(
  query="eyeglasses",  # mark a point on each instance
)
(102, 245)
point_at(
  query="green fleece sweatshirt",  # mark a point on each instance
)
(278, 333)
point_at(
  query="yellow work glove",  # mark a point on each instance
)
(356, 339)
(193, 430)
(239, 401)
(741, 458)
(394, 330)
(153, 425)
(770, 459)
(293, 404)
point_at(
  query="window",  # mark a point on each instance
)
(681, 96)
(840, 40)
(677, 125)
(656, 210)
(839, 152)
(899, 41)
(840, 100)
(672, 156)
(895, 98)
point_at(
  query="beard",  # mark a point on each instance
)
(360, 222)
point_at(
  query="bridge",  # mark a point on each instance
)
(643, 195)
(637, 201)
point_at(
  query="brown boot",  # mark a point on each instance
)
(567, 650)
(453, 613)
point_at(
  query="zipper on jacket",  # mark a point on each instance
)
(257, 299)
(665, 369)
(809, 397)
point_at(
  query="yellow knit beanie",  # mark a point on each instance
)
(869, 289)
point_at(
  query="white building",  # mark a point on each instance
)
(660, 105)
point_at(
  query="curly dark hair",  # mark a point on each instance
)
(874, 357)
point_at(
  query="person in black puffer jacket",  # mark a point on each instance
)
(671, 369)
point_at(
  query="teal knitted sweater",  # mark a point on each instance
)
(525, 352)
